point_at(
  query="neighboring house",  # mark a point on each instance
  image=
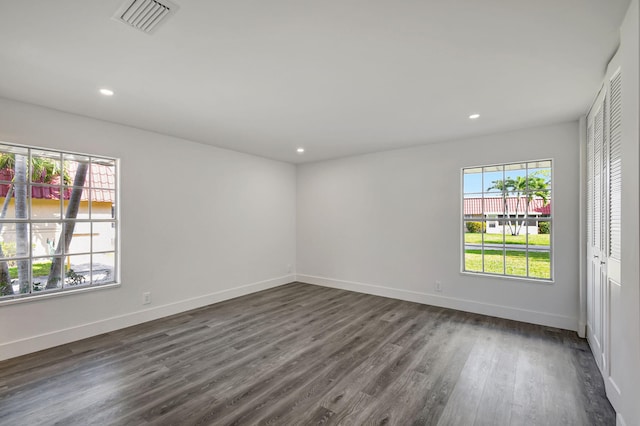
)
(515, 209)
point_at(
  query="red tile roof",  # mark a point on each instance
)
(495, 205)
(103, 183)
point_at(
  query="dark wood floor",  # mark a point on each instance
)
(302, 354)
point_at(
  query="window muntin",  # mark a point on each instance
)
(507, 220)
(58, 221)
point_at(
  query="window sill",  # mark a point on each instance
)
(509, 277)
(56, 293)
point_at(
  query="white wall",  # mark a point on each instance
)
(199, 224)
(629, 325)
(389, 224)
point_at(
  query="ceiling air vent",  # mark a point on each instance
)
(145, 15)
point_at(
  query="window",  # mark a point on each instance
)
(507, 220)
(58, 221)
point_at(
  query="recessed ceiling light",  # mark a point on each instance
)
(106, 92)
(300, 150)
(474, 116)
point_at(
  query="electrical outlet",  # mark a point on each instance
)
(146, 298)
(438, 286)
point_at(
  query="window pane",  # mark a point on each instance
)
(104, 236)
(103, 204)
(46, 167)
(103, 174)
(539, 181)
(77, 270)
(542, 164)
(473, 260)
(473, 231)
(7, 163)
(539, 246)
(79, 210)
(516, 261)
(539, 203)
(8, 190)
(493, 238)
(540, 264)
(9, 246)
(45, 202)
(76, 169)
(512, 227)
(43, 279)
(45, 238)
(103, 268)
(6, 280)
(493, 178)
(46, 192)
(19, 273)
(494, 261)
(473, 206)
(473, 180)
(14, 277)
(515, 182)
(537, 166)
(515, 169)
(12, 159)
(494, 204)
(80, 241)
(540, 234)
(6, 178)
(514, 233)
(20, 206)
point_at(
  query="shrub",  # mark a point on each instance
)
(543, 227)
(476, 227)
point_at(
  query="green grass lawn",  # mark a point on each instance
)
(535, 240)
(515, 263)
(39, 270)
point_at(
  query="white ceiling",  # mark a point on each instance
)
(338, 77)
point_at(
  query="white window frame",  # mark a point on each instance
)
(66, 288)
(485, 220)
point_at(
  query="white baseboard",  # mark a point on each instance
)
(507, 312)
(59, 337)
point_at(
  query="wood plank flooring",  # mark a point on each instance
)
(303, 355)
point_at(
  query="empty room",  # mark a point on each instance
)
(343, 213)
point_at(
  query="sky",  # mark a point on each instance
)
(473, 178)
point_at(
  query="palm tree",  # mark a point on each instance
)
(43, 170)
(506, 187)
(532, 186)
(536, 186)
(22, 230)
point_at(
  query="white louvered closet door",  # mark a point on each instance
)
(604, 230)
(595, 230)
(590, 232)
(614, 345)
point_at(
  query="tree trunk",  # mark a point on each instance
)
(518, 228)
(6, 288)
(67, 234)
(526, 213)
(22, 229)
(506, 213)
